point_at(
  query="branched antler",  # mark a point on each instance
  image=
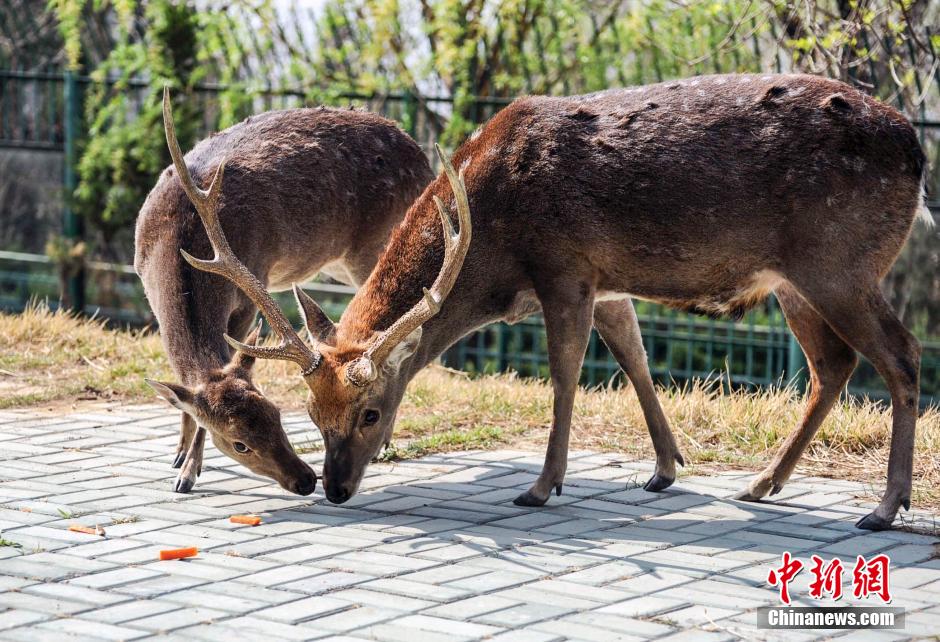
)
(456, 244)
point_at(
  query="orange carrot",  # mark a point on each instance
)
(249, 520)
(77, 528)
(179, 553)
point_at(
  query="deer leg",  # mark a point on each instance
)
(831, 362)
(568, 328)
(192, 468)
(187, 430)
(868, 323)
(189, 452)
(619, 328)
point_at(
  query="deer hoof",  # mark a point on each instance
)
(183, 484)
(657, 483)
(776, 489)
(873, 522)
(529, 499)
(180, 458)
(745, 496)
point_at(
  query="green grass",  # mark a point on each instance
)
(6, 542)
(470, 439)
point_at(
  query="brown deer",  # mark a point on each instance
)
(706, 195)
(305, 191)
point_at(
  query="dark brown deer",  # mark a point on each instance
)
(305, 191)
(705, 195)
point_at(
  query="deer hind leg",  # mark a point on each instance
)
(862, 318)
(619, 328)
(568, 310)
(831, 362)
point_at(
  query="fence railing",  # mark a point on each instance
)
(38, 112)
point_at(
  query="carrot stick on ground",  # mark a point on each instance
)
(250, 520)
(77, 528)
(178, 553)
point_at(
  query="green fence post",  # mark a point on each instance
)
(410, 115)
(72, 223)
(796, 364)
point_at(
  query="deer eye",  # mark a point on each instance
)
(240, 447)
(370, 417)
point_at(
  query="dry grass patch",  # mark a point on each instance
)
(48, 358)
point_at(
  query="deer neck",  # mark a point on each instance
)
(411, 262)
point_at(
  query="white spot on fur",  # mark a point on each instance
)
(476, 133)
(465, 164)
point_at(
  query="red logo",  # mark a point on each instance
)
(869, 577)
(782, 576)
(827, 578)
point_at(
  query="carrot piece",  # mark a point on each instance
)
(249, 520)
(78, 528)
(178, 553)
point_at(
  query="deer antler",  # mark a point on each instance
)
(226, 264)
(365, 368)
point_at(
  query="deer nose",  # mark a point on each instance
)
(338, 496)
(306, 484)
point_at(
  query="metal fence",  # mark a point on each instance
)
(40, 111)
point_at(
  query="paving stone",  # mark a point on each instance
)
(10, 618)
(431, 549)
(86, 629)
(177, 619)
(472, 607)
(326, 581)
(364, 597)
(127, 611)
(523, 615)
(305, 609)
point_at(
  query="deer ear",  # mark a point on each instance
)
(404, 350)
(317, 323)
(242, 360)
(180, 397)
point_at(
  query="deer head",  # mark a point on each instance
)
(242, 423)
(355, 386)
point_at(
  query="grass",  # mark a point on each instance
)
(6, 542)
(50, 359)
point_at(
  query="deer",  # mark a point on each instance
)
(706, 195)
(306, 191)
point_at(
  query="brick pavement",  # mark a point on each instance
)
(431, 549)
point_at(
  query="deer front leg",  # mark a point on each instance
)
(568, 328)
(193, 466)
(187, 430)
(619, 328)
